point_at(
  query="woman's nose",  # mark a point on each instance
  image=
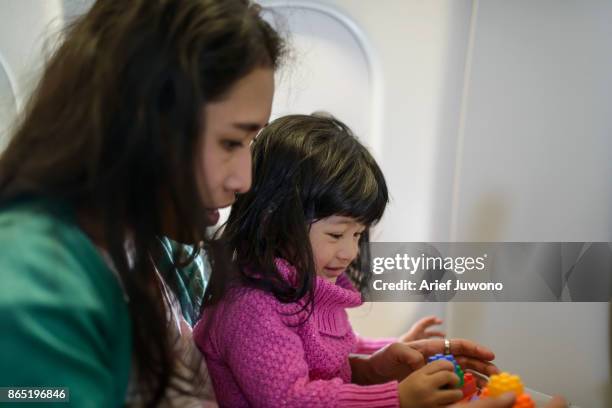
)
(240, 178)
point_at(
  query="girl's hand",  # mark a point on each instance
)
(425, 387)
(419, 330)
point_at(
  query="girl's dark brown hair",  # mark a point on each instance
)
(111, 129)
(305, 168)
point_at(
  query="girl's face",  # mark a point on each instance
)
(224, 165)
(335, 244)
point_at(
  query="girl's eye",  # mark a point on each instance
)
(357, 235)
(230, 145)
(335, 236)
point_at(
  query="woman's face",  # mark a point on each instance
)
(224, 165)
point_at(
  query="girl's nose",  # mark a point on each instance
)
(349, 250)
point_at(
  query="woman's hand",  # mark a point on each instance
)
(419, 331)
(397, 360)
(467, 353)
(507, 401)
(394, 362)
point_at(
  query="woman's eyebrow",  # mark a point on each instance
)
(249, 126)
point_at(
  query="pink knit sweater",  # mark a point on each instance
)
(258, 355)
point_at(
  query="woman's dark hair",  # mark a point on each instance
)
(112, 127)
(305, 168)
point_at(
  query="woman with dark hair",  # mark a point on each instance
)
(138, 131)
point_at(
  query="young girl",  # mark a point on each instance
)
(277, 333)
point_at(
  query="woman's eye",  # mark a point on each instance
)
(335, 236)
(231, 144)
(357, 235)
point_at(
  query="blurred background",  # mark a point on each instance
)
(492, 121)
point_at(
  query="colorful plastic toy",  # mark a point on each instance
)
(451, 358)
(505, 382)
(469, 389)
(467, 382)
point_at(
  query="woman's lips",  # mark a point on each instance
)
(212, 216)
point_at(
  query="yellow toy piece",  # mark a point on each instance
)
(505, 382)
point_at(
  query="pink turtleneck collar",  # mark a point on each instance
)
(330, 302)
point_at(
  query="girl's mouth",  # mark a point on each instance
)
(337, 270)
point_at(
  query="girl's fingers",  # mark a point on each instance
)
(444, 378)
(438, 366)
(445, 397)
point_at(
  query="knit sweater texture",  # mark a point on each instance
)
(264, 353)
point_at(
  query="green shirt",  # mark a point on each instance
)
(190, 280)
(64, 321)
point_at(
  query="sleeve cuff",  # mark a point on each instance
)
(370, 346)
(369, 396)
